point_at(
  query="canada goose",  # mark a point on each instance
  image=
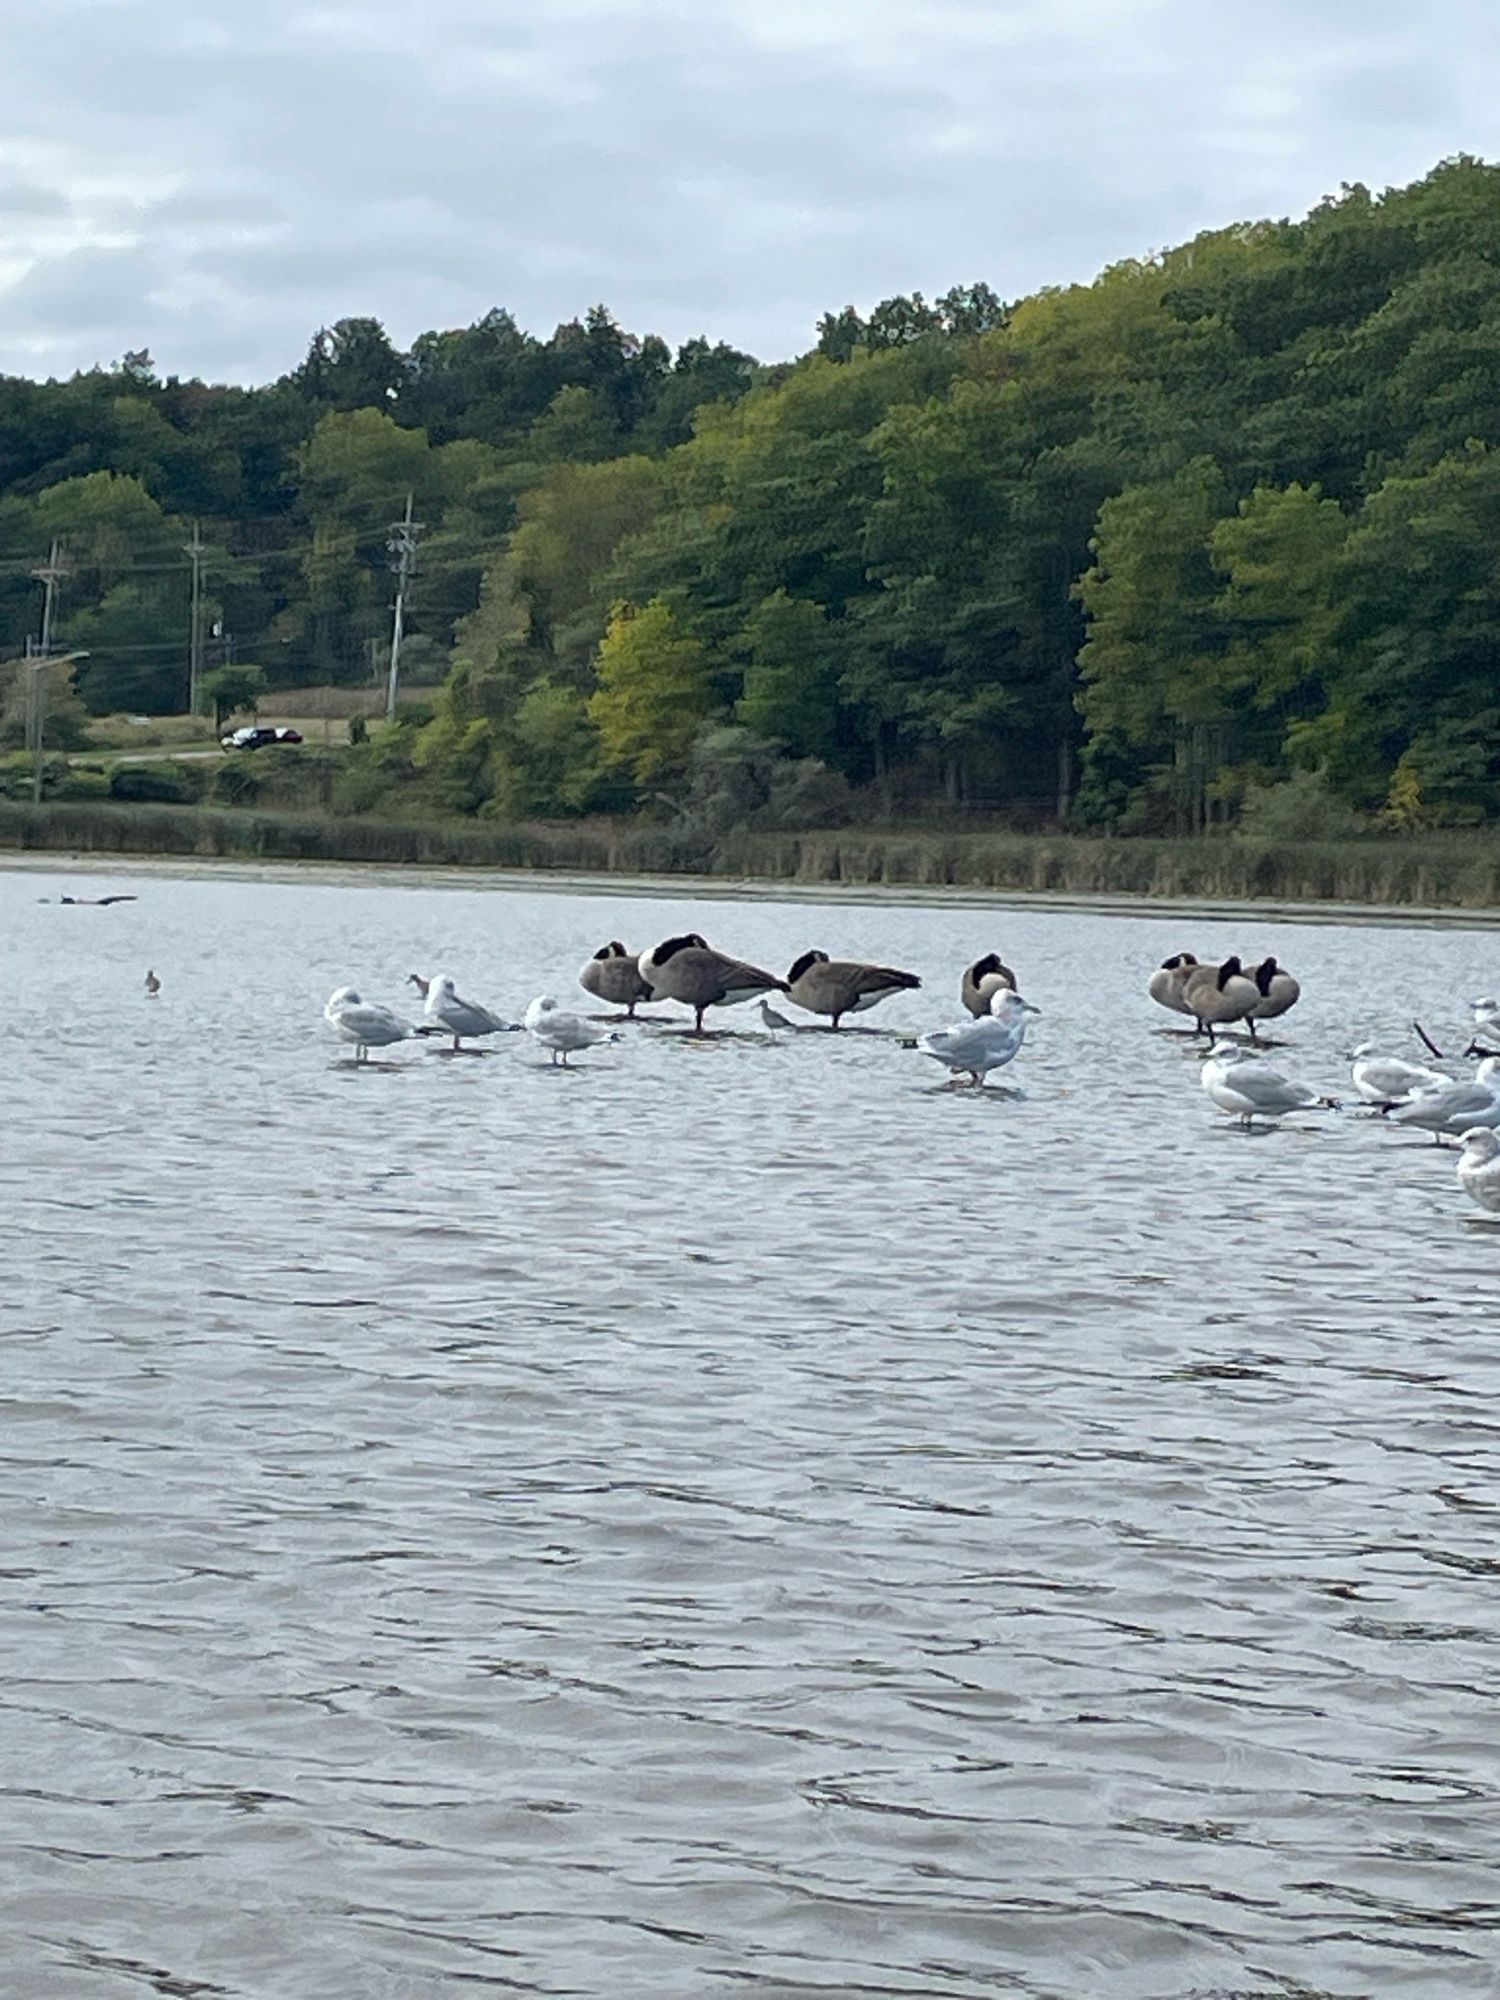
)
(1388, 1080)
(839, 986)
(983, 979)
(1457, 1106)
(1215, 995)
(1279, 993)
(1479, 1168)
(613, 975)
(1167, 981)
(364, 1022)
(687, 969)
(560, 1032)
(153, 986)
(462, 1019)
(976, 1047)
(1249, 1088)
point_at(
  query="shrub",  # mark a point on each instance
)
(1300, 807)
(163, 784)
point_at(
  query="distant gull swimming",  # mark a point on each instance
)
(364, 1022)
(976, 1047)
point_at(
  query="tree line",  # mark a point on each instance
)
(1218, 529)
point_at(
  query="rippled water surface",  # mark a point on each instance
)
(740, 1518)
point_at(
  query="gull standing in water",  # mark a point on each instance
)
(1479, 1168)
(561, 1032)
(1389, 1080)
(364, 1022)
(1486, 1020)
(1449, 1112)
(976, 1047)
(464, 1020)
(1248, 1088)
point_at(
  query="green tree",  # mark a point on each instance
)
(230, 689)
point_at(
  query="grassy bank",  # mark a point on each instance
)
(1458, 871)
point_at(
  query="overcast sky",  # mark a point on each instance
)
(216, 181)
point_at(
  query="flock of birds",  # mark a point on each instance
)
(1407, 1093)
(1236, 1074)
(688, 970)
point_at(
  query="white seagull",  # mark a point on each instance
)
(561, 1032)
(1248, 1087)
(364, 1022)
(1479, 1167)
(1486, 1019)
(464, 1020)
(1451, 1111)
(976, 1047)
(1389, 1080)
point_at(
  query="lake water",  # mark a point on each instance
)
(740, 1518)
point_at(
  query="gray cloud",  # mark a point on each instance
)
(215, 181)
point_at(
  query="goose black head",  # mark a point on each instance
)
(982, 967)
(1265, 972)
(614, 949)
(1178, 958)
(808, 958)
(1230, 969)
(670, 947)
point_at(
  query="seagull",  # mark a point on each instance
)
(1479, 1167)
(464, 1020)
(561, 1032)
(364, 1022)
(153, 986)
(1486, 1019)
(974, 1048)
(1388, 1080)
(1247, 1087)
(1451, 1111)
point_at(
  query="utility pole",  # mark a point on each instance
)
(38, 652)
(195, 550)
(403, 548)
(49, 575)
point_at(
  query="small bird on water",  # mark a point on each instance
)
(153, 986)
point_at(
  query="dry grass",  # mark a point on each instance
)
(1453, 871)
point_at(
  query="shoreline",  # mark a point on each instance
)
(730, 889)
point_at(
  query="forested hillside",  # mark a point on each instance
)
(1220, 528)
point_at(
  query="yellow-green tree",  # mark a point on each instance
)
(655, 691)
